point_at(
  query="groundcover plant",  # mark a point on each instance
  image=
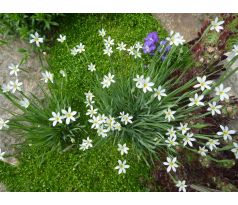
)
(150, 108)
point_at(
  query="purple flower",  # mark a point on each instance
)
(152, 38)
(149, 49)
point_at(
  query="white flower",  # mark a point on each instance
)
(183, 128)
(181, 185)
(102, 32)
(214, 108)
(96, 122)
(202, 151)
(126, 118)
(122, 166)
(56, 118)
(86, 144)
(36, 39)
(107, 51)
(15, 85)
(171, 132)
(80, 48)
(137, 54)
(171, 141)
(74, 51)
(216, 25)
(138, 45)
(139, 80)
(69, 115)
(61, 38)
(235, 150)
(89, 96)
(203, 84)
(226, 133)
(91, 67)
(169, 114)
(102, 132)
(117, 126)
(107, 80)
(175, 39)
(24, 103)
(131, 50)
(47, 76)
(62, 72)
(14, 69)
(110, 123)
(159, 92)
(109, 42)
(222, 92)
(91, 112)
(6, 88)
(2, 155)
(146, 85)
(123, 149)
(121, 46)
(212, 144)
(188, 139)
(3, 124)
(171, 163)
(196, 100)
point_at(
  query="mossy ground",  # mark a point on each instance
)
(94, 171)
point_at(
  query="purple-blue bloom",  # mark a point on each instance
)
(152, 38)
(149, 49)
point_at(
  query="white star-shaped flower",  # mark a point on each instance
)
(108, 50)
(138, 45)
(216, 25)
(96, 122)
(91, 67)
(212, 144)
(36, 39)
(121, 46)
(222, 92)
(214, 108)
(146, 85)
(102, 131)
(202, 151)
(131, 50)
(188, 139)
(109, 42)
(74, 51)
(47, 76)
(125, 118)
(15, 85)
(107, 80)
(171, 163)
(203, 84)
(3, 124)
(61, 38)
(102, 32)
(183, 128)
(171, 141)
(196, 100)
(6, 88)
(123, 149)
(122, 166)
(69, 115)
(80, 48)
(138, 80)
(24, 103)
(86, 144)
(56, 118)
(92, 112)
(226, 133)
(159, 92)
(14, 69)
(175, 39)
(171, 132)
(181, 185)
(169, 114)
